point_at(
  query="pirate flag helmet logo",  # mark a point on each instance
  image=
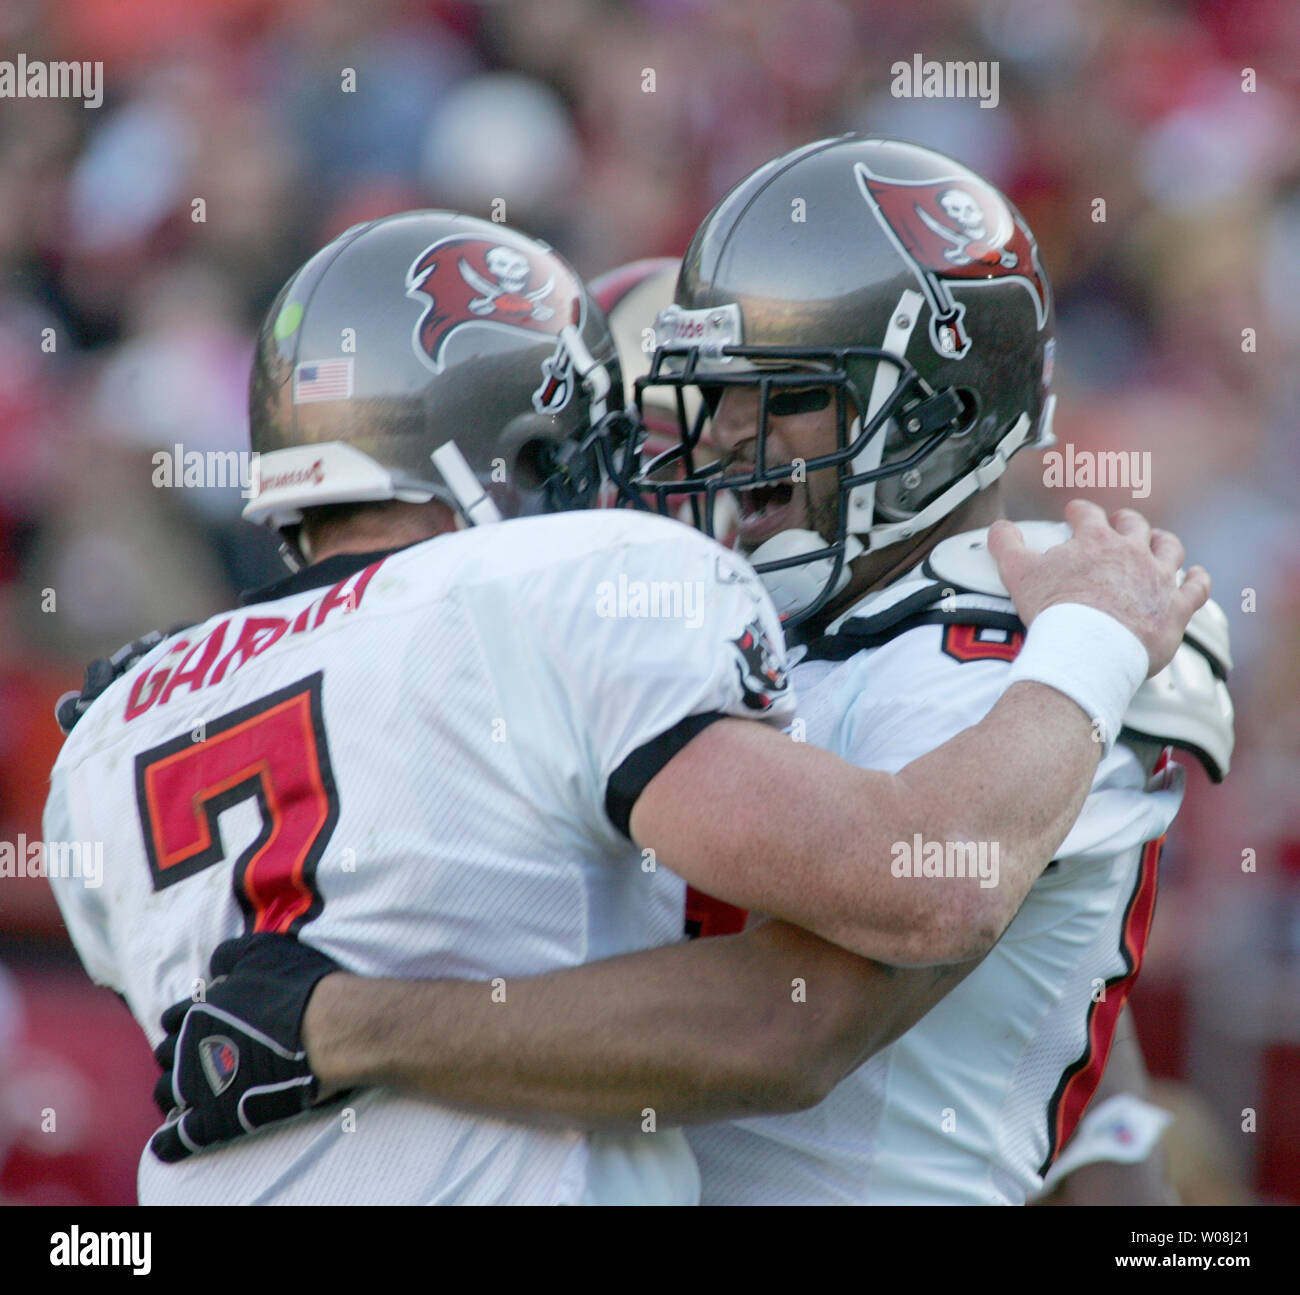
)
(500, 284)
(955, 232)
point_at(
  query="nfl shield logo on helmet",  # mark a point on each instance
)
(220, 1058)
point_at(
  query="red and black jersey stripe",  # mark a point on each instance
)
(1080, 1079)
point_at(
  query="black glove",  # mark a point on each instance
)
(102, 671)
(235, 1062)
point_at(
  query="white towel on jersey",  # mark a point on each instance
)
(409, 765)
(972, 1103)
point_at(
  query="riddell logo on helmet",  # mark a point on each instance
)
(686, 329)
(477, 282)
(955, 231)
(311, 476)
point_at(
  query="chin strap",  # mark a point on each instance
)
(862, 499)
(795, 588)
(475, 504)
(594, 375)
(292, 555)
(902, 322)
(980, 478)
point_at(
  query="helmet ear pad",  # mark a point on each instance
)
(554, 476)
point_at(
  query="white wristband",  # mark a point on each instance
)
(1090, 657)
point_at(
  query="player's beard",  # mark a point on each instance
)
(823, 514)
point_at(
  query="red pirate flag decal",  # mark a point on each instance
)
(471, 281)
(957, 229)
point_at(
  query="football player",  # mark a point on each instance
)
(458, 749)
(909, 634)
(972, 1104)
(916, 270)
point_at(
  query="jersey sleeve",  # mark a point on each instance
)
(1124, 809)
(657, 640)
(79, 900)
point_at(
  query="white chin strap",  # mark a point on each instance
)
(475, 505)
(795, 588)
(902, 323)
(595, 377)
(862, 499)
(979, 478)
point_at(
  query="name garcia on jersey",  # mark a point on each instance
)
(191, 665)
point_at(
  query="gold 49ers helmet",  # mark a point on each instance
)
(898, 281)
(432, 355)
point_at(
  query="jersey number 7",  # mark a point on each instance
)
(272, 751)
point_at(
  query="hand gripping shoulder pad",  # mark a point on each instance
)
(1186, 705)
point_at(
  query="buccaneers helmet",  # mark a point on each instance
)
(902, 282)
(433, 355)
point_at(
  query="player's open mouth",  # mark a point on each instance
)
(765, 509)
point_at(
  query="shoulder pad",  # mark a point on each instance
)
(964, 562)
(1208, 631)
(925, 602)
(1186, 705)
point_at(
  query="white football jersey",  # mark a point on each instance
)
(419, 762)
(971, 1105)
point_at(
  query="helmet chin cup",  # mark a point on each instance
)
(794, 589)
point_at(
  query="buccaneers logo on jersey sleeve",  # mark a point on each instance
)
(759, 668)
(956, 230)
(474, 282)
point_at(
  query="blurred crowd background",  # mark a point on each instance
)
(549, 106)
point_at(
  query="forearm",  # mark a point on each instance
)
(1012, 786)
(927, 866)
(818, 840)
(1009, 788)
(762, 1022)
